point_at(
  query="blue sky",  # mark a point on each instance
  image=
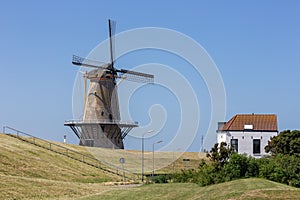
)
(255, 45)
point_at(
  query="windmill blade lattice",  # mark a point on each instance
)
(136, 76)
(79, 61)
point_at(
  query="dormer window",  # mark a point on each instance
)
(248, 127)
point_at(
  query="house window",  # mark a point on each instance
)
(234, 144)
(256, 146)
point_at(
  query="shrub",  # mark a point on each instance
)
(253, 167)
(205, 174)
(162, 178)
(281, 168)
(226, 166)
(236, 167)
(184, 177)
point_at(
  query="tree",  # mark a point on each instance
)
(219, 155)
(287, 143)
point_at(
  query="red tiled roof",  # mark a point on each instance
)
(260, 122)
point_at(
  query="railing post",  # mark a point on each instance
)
(124, 177)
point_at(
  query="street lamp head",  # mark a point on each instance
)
(160, 141)
(150, 131)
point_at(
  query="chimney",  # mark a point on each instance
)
(221, 125)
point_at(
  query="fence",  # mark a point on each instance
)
(84, 158)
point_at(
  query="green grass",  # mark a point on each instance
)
(30, 172)
(18, 158)
(16, 187)
(33, 172)
(239, 189)
(133, 159)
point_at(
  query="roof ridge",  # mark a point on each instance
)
(255, 114)
(266, 122)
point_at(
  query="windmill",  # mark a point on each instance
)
(101, 125)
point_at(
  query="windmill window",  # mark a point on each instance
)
(110, 116)
(102, 113)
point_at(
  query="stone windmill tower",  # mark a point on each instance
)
(101, 125)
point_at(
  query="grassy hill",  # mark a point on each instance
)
(240, 189)
(30, 172)
(133, 159)
(22, 159)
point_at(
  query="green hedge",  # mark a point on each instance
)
(280, 168)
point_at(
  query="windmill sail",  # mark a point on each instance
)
(136, 76)
(79, 61)
(112, 31)
(129, 75)
(101, 125)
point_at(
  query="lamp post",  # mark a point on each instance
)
(150, 131)
(153, 156)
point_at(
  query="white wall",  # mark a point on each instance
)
(245, 140)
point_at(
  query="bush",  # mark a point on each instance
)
(162, 178)
(236, 167)
(253, 167)
(225, 166)
(184, 177)
(281, 168)
(206, 175)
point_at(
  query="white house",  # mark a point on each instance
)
(248, 133)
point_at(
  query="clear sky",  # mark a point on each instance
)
(255, 45)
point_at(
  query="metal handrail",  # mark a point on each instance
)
(100, 121)
(99, 162)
